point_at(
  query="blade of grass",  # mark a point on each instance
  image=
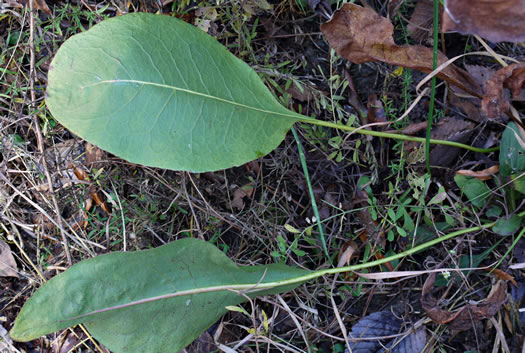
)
(311, 191)
(433, 85)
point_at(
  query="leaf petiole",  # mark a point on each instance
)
(396, 136)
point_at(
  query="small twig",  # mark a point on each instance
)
(38, 132)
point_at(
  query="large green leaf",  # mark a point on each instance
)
(155, 300)
(157, 91)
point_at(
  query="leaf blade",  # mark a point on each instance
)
(98, 292)
(157, 91)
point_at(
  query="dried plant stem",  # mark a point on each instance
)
(38, 132)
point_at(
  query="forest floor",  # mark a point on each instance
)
(373, 195)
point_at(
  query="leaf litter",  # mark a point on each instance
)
(360, 35)
(495, 103)
(465, 316)
(495, 20)
(382, 331)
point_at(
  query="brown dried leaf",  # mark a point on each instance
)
(420, 25)
(450, 129)
(480, 73)
(99, 201)
(93, 154)
(494, 104)
(348, 251)
(471, 107)
(376, 111)
(484, 174)
(240, 194)
(496, 20)
(361, 35)
(38, 5)
(388, 265)
(353, 99)
(463, 318)
(41, 5)
(502, 275)
(7, 261)
(80, 173)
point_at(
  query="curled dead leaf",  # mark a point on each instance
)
(484, 174)
(80, 173)
(361, 35)
(494, 104)
(93, 154)
(496, 20)
(375, 109)
(99, 201)
(463, 318)
(240, 194)
(7, 261)
(502, 275)
(348, 251)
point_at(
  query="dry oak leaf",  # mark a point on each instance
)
(495, 20)
(494, 104)
(463, 318)
(361, 35)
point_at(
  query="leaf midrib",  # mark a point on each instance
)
(255, 287)
(146, 83)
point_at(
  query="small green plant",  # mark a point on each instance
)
(509, 181)
(159, 92)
